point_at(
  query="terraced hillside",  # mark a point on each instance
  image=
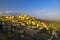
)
(26, 27)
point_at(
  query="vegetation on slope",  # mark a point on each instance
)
(26, 27)
(30, 21)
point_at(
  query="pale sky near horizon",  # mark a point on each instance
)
(45, 9)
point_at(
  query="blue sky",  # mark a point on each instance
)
(46, 9)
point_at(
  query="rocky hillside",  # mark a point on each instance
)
(26, 27)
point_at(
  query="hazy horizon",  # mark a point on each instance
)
(43, 9)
